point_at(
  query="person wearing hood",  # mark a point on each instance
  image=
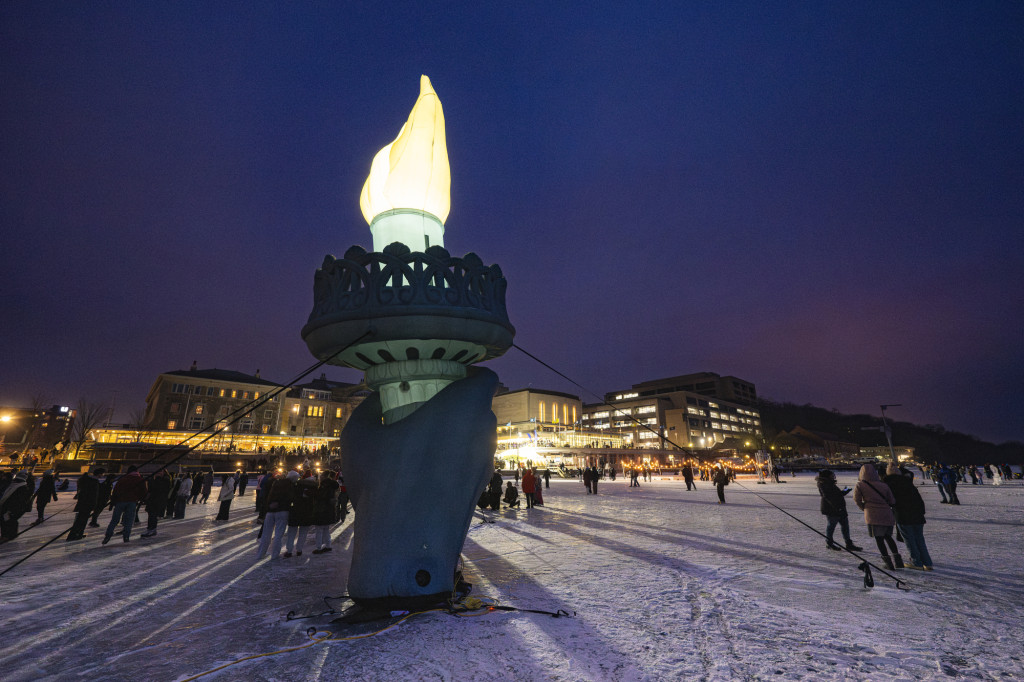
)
(46, 493)
(102, 499)
(909, 510)
(876, 499)
(14, 501)
(833, 506)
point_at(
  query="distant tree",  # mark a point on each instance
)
(88, 415)
(137, 424)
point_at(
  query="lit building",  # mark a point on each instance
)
(23, 429)
(693, 412)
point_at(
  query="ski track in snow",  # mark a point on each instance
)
(665, 585)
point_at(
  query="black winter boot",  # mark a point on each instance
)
(899, 560)
(832, 545)
(888, 562)
(852, 547)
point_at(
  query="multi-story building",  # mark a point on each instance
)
(23, 429)
(545, 419)
(195, 400)
(686, 412)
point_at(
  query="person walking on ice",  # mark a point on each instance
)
(876, 499)
(833, 506)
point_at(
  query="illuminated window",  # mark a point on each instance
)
(295, 408)
(714, 415)
(199, 409)
(565, 414)
(222, 393)
(542, 410)
(172, 424)
(315, 411)
(234, 394)
(598, 415)
(245, 395)
(266, 428)
(337, 413)
(256, 395)
(646, 409)
(712, 404)
(574, 420)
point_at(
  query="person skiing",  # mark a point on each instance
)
(876, 500)
(833, 506)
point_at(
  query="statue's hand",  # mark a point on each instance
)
(414, 484)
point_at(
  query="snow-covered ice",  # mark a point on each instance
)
(665, 584)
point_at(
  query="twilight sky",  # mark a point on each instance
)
(826, 199)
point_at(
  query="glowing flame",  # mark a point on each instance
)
(412, 172)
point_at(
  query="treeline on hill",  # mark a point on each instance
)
(931, 443)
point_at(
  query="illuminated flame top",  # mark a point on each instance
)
(412, 172)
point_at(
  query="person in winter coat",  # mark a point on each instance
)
(280, 497)
(243, 481)
(207, 486)
(181, 499)
(721, 479)
(47, 491)
(947, 479)
(587, 480)
(538, 490)
(494, 491)
(342, 499)
(529, 487)
(833, 506)
(547, 478)
(88, 492)
(325, 511)
(129, 490)
(688, 477)
(102, 499)
(156, 501)
(172, 496)
(876, 499)
(14, 502)
(511, 495)
(227, 493)
(301, 516)
(909, 510)
(262, 491)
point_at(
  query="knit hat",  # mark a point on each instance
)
(21, 475)
(293, 476)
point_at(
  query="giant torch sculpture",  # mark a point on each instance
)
(418, 451)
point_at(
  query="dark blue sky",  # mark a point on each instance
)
(824, 199)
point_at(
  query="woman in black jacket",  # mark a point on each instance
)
(909, 510)
(325, 512)
(833, 506)
(301, 515)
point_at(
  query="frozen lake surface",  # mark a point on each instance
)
(665, 584)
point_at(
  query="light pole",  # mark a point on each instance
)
(888, 432)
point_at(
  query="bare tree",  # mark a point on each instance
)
(138, 425)
(88, 415)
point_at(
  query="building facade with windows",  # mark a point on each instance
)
(686, 412)
(195, 400)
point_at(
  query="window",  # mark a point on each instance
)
(175, 407)
(256, 395)
(199, 408)
(223, 410)
(245, 395)
(222, 393)
(266, 428)
(268, 414)
(315, 411)
(646, 409)
(337, 413)
(172, 424)
(234, 394)
(245, 426)
(212, 390)
(195, 423)
(598, 415)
